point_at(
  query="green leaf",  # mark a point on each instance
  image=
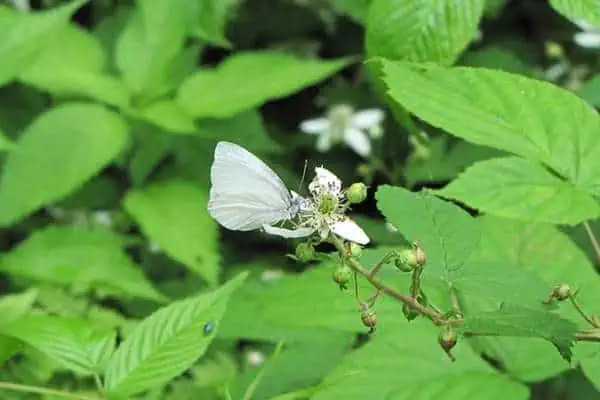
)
(590, 91)
(71, 342)
(578, 10)
(404, 362)
(168, 115)
(167, 342)
(515, 320)
(15, 306)
(590, 362)
(24, 35)
(5, 142)
(356, 9)
(529, 118)
(70, 255)
(73, 65)
(418, 30)
(446, 232)
(56, 154)
(173, 214)
(517, 188)
(208, 19)
(149, 46)
(249, 79)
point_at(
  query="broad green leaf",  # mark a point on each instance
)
(73, 65)
(590, 361)
(590, 91)
(578, 10)
(56, 154)
(406, 363)
(515, 320)
(530, 118)
(149, 46)
(168, 115)
(249, 79)
(446, 233)
(167, 342)
(72, 342)
(419, 30)
(208, 19)
(517, 188)
(24, 35)
(68, 255)
(173, 214)
(13, 307)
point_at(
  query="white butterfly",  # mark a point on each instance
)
(246, 194)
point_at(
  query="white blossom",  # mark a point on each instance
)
(343, 124)
(255, 358)
(324, 212)
(589, 37)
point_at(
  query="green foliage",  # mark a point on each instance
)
(167, 342)
(578, 10)
(417, 30)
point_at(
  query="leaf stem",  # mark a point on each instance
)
(582, 313)
(593, 239)
(43, 391)
(434, 316)
(382, 262)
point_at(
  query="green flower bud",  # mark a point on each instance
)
(355, 250)
(369, 319)
(410, 258)
(561, 292)
(447, 340)
(357, 193)
(364, 170)
(305, 252)
(342, 275)
(554, 50)
(409, 312)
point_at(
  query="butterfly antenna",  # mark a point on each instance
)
(303, 174)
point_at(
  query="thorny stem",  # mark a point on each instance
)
(582, 313)
(435, 317)
(589, 335)
(593, 239)
(43, 391)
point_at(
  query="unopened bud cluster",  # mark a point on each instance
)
(410, 258)
(559, 292)
(356, 193)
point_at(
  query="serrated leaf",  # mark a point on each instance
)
(405, 363)
(515, 320)
(149, 45)
(173, 214)
(417, 30)
(529, 118)
(249, 79)
(56, 154)
(24, 35)
(167, 342)
(69, 255)
(72, 342)
(517, 188)
(446, 233)
(73, 65)
(578, 10)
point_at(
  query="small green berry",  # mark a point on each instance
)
(342, 275)
(561, 292)
(355, 250)
(357, 193)
(305, 252)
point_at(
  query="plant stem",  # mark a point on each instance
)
(99, 385)
(382, 262)
(582, 313)
(434, 316)
(593, 239)
(44, 391)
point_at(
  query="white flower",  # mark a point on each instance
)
(324, 213)
(343, 124)
(255, 358)
(589, 37)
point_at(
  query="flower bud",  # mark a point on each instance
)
(364, 170)
(554, 50)
(561, 292)
(342, 275)
(411, 258)
(369, 319)
(447, 340)
(357, 193)
(305, 252)
(409, 312)
(355, 250)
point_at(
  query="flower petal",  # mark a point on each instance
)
(590, 40)
(325, 179)
(349, 230)
(315, 126)
(367, 118)
(288, 233)
(324, 142)
(358, 141)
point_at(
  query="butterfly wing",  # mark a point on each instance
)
(245, 192)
